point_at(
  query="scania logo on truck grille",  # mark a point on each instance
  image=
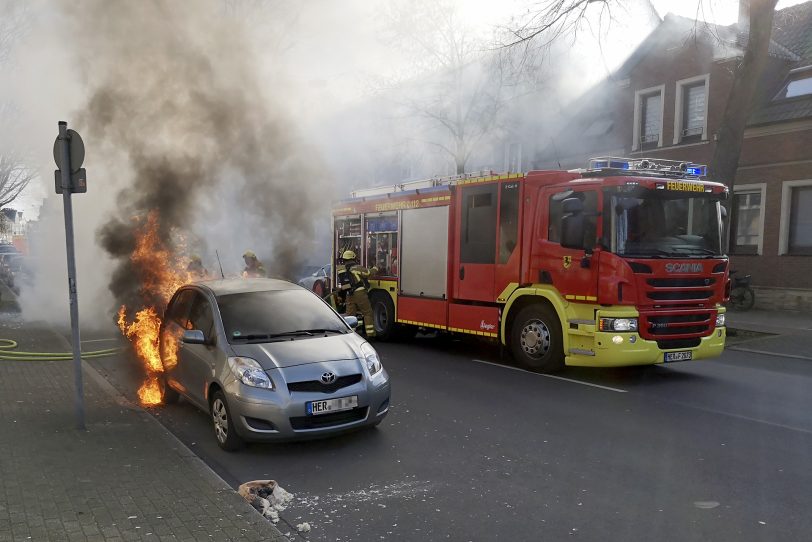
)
(683, 268)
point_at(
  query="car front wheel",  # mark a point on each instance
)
(224, 432)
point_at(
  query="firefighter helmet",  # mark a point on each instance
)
(348, 255)
(249, 254)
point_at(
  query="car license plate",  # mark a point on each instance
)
(315, 408)
(678, 356)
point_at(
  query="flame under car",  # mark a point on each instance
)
(269, 360)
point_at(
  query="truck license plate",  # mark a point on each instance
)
(678, 356)
(315, 408)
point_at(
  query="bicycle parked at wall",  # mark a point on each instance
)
(742, 296)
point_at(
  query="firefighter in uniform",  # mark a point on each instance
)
(353, 280)
(196, 269)
(253, 267)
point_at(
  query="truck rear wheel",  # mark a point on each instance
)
(383, 316)
(536, 341)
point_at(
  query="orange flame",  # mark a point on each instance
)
(161, 273)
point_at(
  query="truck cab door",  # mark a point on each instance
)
(573, 272)
(475, 247)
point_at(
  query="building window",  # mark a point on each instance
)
(691, 118)
(648, 118)
(796, 218)
(747, 227)
(799, 84)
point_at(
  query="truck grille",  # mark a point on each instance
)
(681, 295)
(329, 420)
(681, 282)
(317, 386)
(677, 325)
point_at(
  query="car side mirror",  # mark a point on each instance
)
(193, 336)
(572, 223)
(352, 321)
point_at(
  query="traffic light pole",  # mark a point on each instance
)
(65, 170)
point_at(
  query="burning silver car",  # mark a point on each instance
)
(269, 361)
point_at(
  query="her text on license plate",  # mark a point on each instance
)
(315, 408)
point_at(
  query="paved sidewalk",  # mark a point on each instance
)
(779, 322)
(124, 478)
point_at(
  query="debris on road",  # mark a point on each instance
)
(303, 527)
(267, 496)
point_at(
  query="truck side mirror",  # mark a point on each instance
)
(572, 224)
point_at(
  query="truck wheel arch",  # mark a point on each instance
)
(523, 297)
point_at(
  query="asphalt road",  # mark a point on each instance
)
(480, 450)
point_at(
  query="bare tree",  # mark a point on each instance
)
(13, 25)
(14, 178)
(746, 77)
(14, 174)
(455, 85)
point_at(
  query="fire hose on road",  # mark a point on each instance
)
(7, 353)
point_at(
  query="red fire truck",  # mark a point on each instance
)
(621, 263)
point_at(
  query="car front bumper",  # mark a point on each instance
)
(279, 415)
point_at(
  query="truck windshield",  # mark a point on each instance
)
(655, 223)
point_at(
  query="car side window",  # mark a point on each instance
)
(201, 316)
(178, 311)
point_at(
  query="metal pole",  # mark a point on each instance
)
(74, 301)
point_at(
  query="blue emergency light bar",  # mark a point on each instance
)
(663, 167)
(611, 163)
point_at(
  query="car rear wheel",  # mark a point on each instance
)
(536, 341)
(224, 432)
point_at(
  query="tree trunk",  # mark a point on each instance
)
(460, 161)
(746, 77)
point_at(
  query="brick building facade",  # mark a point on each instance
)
(667, 101)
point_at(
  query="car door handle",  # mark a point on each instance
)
(462, 273)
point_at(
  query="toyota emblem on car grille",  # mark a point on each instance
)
(328, 378)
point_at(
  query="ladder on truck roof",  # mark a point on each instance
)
(419, 184)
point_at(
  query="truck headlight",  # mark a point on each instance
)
(250, 373)
(618, 324)
(371, 359)
(720, 320)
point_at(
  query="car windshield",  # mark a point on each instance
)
(258, 316)
(653, 223)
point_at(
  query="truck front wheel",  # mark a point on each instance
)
(536, 341)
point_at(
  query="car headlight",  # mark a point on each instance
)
(250, 373)
(618, 324)
(720, 320)
(371, 358)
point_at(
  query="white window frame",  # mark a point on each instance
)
(786, 204)
(638, 106)
(753, 187)
(678, 105)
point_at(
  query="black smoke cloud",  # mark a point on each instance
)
(188, 129)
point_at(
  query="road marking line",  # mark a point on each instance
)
(617, 390)
(766, 353)
(102, 340)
